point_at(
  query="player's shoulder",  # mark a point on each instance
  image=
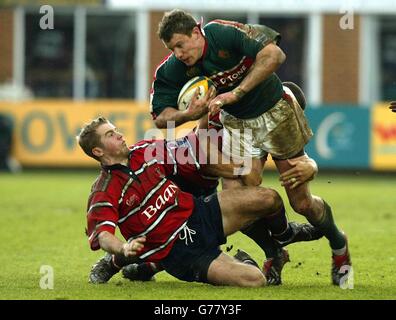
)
(170, 68)
(218, 26)
(224, 32)
(104, 182)
(104, 189)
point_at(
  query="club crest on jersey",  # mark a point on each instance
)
(131, 200)
(223, 54)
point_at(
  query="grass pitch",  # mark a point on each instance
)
(43, 222)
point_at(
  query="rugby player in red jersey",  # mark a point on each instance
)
(200, 185)
(161, 223)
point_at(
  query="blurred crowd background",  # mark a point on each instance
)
(99, 57)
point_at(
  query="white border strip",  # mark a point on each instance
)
(80, 17)
(142, 52)
(314, 59)
(247, 6)
(369, 62)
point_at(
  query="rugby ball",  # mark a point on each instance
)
(200, 83)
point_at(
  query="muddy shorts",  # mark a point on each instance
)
(282, 131)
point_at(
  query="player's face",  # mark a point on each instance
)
(113, 143)
(188, 49)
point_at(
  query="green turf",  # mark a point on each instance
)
(43, 222)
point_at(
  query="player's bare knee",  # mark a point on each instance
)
(265, 201)
(271, 199)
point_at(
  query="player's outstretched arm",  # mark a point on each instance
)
(196, 109)
(218, 166)
(170, 114)
(111, 244)
(268, 60)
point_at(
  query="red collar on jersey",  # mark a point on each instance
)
(199, 25)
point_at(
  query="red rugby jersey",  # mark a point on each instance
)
(141, 199)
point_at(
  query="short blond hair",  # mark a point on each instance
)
(89, 139)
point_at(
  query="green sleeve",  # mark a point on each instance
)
(168, 81)
(264, 34)
(162, 96)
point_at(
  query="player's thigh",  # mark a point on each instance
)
(241, 206)
(287, 130)
(225, 270)
(238, 139)
(230, 183)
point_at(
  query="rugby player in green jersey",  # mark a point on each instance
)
(256, 110)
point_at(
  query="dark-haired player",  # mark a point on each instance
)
(256, 110)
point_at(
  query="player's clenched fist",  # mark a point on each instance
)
(132, 248)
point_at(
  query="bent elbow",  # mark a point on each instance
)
(281, 57)
(278, 57)
(159, 123)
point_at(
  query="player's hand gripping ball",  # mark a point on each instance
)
(200, 83)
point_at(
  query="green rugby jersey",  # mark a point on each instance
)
(230, 50)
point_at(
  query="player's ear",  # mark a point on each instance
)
(97, 152)
(195, 31)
